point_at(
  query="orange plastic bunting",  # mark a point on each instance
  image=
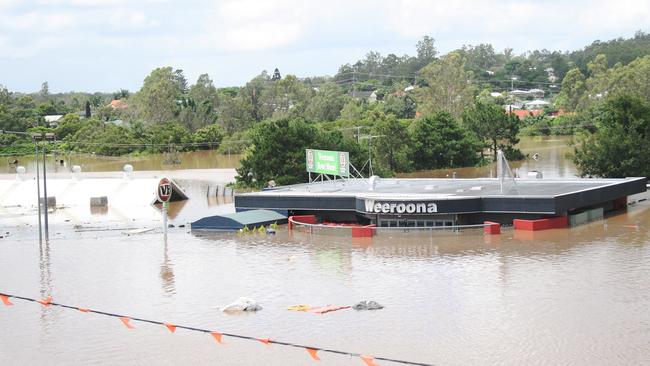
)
(5, 300)
(126, 322)
(312, 353)
(217, 337)
(369, 360)
(83, 310)
(45, 302)
(171, 327)
(264, 340)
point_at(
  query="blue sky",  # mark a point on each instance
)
(105, 45)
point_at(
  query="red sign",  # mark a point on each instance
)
(164, 190)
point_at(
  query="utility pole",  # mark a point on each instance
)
(37, 137)
(47, 226)
(38, 194)
(370, 137)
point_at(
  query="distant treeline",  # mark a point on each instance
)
(368, 103)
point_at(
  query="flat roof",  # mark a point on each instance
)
(436, 188)
(539, 196)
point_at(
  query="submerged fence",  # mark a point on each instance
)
(308, 223)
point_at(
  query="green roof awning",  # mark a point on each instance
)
(238, 220)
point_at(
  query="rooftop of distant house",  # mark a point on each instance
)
(118, 104)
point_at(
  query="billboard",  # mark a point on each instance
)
(328, 162)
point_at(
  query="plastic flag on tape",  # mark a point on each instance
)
(127, 322)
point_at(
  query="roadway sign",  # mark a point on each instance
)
(164, 190)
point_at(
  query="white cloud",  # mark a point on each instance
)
(38, 22)
(244, 25)
(125, 19)
(509, 19)
(614, 15)
(253, 25)
(414, 18)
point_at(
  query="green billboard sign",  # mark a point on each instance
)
(328, 162)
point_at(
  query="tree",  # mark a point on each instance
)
(573, 90)
(45, 90)
(235, 115)
(162, 137)
(403, 106)
(492, 125)
(121, 94)
(426, 51)
(209, 136)
(351, 112)
(69, 125)
(437, 141)
(157, 100)
(277, 152)
(391, 150)
(619, 148)
(88, 114)
(102, 139)
(448, 87)
(326, 105)
(276, 75)
(199, 107)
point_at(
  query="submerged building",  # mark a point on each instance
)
(443, 202)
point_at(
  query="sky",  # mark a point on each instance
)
(106, 45)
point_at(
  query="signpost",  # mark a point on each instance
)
(328, 162)
(164, 193)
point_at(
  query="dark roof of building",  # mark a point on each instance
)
(443, 188)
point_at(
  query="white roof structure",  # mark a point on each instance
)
(53, 117)
(538, 103)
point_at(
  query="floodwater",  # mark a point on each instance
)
(551, 159)
(565, 296)
(202, 159)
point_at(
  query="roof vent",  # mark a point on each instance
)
(372, 182)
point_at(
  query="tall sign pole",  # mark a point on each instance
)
(164, 193)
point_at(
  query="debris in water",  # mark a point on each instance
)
(242, 304)
(367, 305)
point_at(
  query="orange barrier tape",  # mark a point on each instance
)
(126, 321)
(5, 300)
(217, 336)
(312, 353)
(369, 360)
(171, 327)
(45, 302)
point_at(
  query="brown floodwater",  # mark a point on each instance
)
(63, 162)
(565, 296)
(551, 160)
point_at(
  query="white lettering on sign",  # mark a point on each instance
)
(400, 207)
(165, 190)
(326, 157)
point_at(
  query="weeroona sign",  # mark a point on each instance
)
(328, 162)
